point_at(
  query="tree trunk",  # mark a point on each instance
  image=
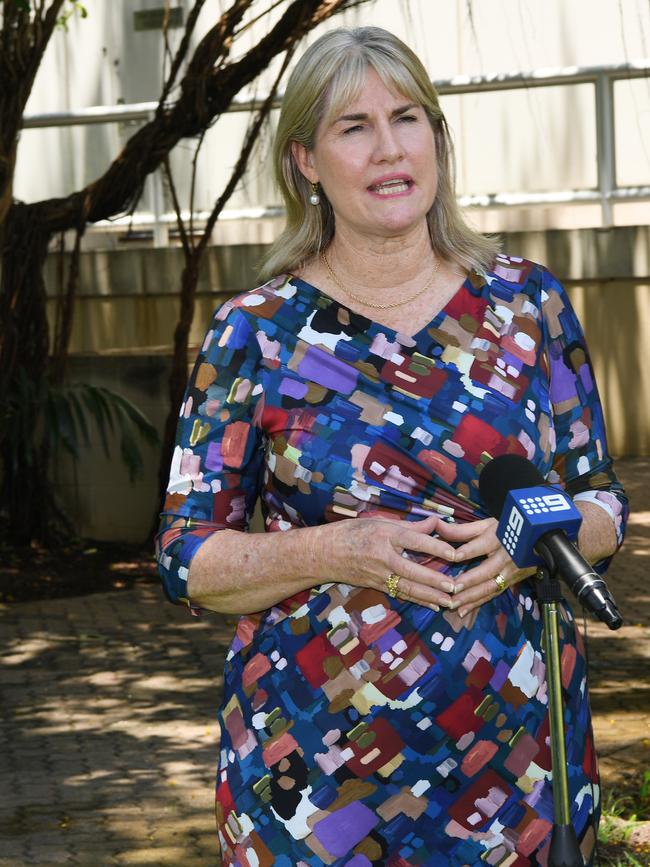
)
(206, 90)
(23, 366)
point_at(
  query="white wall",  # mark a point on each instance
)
(533, 140)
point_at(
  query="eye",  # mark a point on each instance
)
(354, 128)
(408, 118)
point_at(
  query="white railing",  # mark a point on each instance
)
(601, 77)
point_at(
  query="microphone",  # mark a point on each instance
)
(537, 526)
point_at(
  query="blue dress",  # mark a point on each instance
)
(357, 729)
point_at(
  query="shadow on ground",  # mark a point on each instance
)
(108, 716)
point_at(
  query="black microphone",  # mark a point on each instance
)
(510, 473)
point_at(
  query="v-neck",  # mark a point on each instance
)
(375, 325)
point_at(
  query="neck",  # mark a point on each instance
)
(382, 262)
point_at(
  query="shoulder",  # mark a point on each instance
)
(261, 302)
(511, 275)
(516, 271)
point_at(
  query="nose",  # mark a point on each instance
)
(388, 147)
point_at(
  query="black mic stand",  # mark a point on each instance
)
(565, 851)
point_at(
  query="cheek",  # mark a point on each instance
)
(339, 181)
(431, 175)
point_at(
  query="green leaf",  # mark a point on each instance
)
(77, 407)
(96, 404)
(137, 418)
(65, 425)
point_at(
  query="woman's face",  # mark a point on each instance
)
(376, 162)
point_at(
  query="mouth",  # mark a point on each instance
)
(392, 186)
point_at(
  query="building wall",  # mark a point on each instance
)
(530, 140)
(127, 309)
(525, 140)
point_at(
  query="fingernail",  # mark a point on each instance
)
(448, 586)
(462, 613)
(453, 605)
(459, 587)
(435, 607)
(447, 603)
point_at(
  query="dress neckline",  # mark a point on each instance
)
(374, 324)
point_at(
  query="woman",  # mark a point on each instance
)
(384, 692)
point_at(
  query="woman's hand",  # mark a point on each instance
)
(478, 539)
(365, 552)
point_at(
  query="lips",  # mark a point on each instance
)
(391, 185)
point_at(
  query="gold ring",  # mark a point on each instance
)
(392, 583)
(501, 582)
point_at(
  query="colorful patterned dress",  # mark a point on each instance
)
(357, 729)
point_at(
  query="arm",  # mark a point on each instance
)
(597, 540)
(217, 460)
(582, 464)
(206, 558)
(258, 570)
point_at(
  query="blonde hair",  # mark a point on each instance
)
(328, 77)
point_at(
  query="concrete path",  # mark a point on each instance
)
(108, 737)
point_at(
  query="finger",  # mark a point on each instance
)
(477, 594)
(423, 594)
(424, 583)
(488, 589)
(464, 532)
(424, 525)
(481, 546)
(496, 563)
(425, 544)
(467, 609)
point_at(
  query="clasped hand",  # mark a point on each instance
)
(375, 548)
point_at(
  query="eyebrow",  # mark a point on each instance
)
(362, 116)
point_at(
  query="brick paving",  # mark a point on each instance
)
(108, 736)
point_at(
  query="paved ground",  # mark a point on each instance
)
(108, 734)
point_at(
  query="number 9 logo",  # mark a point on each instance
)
(556, 502)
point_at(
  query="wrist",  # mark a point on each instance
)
(312, 556)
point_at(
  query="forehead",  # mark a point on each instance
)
(363, 90)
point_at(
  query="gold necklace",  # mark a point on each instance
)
(369, 303)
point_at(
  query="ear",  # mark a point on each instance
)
(305, 161)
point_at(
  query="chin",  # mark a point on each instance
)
(402, 225)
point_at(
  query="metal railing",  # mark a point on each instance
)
(602, 78)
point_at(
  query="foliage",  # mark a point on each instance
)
(74, 7)
(623, 814)
(202, 78)
(39, 422)
(43, 418)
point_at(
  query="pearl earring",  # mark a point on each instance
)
(314, 198)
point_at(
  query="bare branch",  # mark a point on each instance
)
(195, 160)
(203, 97)
(267, 11)
(181, 53)
(65, 315)
(249, 143)
(186, 242)
(167, 49)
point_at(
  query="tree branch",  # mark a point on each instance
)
(195, 161)
(249, 143)
(202, 99)
(185, 241)
(181, 53)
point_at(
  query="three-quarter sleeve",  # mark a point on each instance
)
(215, 472)
(582, 462)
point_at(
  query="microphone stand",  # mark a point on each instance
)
(565, 851)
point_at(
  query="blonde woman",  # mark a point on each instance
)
(384, 698)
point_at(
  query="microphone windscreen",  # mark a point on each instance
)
(503, 474)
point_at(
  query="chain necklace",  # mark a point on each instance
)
(369, 303)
